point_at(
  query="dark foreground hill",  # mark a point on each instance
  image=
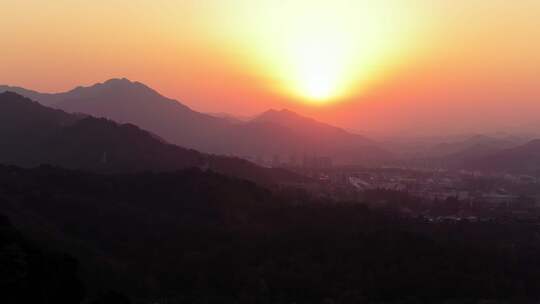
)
(272, 133)
(29, 274)
(31, 134)
(201, 237)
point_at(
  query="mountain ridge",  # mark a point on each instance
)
(285, 134)
(99, 144)
(523, 159)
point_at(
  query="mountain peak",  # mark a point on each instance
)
(118, 85)
(290, 119)
(119, 80)
(274, 115)
(123, 82)
(282, 111)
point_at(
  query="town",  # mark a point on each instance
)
(437, 194)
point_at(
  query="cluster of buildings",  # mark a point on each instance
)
(472, 189)
(292, 161)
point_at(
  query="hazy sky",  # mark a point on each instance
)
(390, 66)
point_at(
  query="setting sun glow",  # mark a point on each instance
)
(318, 56)
(321, 51)
(362, 64)
(318, 67)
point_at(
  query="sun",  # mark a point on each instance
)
(323, 52)
(318, 87)
(318, 65)
(320, 52)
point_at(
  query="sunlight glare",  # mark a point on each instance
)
(320, 51)
(318, 71)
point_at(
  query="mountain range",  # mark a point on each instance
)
(524, 159)
(475, 145)
(275, 132)
(483, 153)
(32, 134)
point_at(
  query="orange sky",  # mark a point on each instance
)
(384, 67)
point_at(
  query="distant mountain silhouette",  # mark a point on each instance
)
(46, 99)
(32, 134)
(274, 132)
(476, 145)
(522, 159)
(313, 137)
(231, 118)
(463, 153)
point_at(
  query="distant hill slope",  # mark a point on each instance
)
(32, 134)
(315, 137)
(274, 132)
(46, 99)
(461, 153)
(522, 159)
(474, 145)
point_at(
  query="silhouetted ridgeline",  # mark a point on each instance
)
(488, 154)
(31, 134)
(274, 132)
(523, 159)
(201, 237)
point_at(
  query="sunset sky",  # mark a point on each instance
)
(380, 67)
